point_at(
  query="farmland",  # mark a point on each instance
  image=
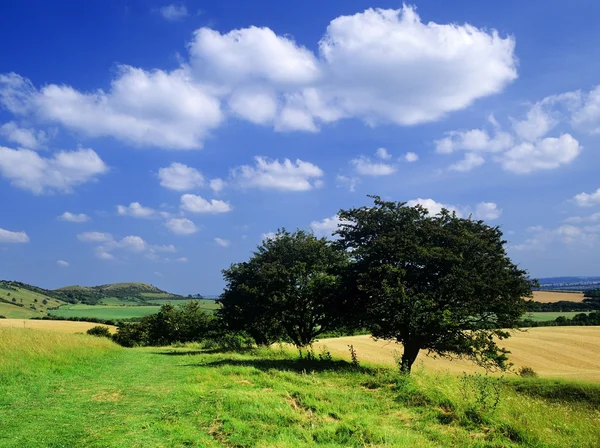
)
(551, 296)
(544, 316)
(77, 390)
(60, 326)
(557, 352)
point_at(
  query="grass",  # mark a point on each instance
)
(543, 316)
(204, 303)
(114, 312)
(77, 390)
(16, 312)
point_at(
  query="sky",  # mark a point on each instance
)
(160, 142)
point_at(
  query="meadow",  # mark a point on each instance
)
(545, 316)
(61, 326)
(76, 390)
(24, 304)
(112, 312)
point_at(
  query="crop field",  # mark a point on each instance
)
(551, 296)
(204, 303)
(60, 326)
(558, 352)
(544, 316)
(104, 311)
(78, 390)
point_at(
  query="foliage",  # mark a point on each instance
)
(99, 331)
(588, 304)
(440, 283)
(184, 323)
(290, 288)
(527, 372)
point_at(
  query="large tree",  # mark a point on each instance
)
(438, 283)
(290, 287)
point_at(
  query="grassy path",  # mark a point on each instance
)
(79, 391)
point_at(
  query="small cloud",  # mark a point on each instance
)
(158, 274)
(221, 242)
(6, 236)
(95, 237)
(345, 181)
(74, 217)
(180, 177)
(62, 263)
(587, 199)
(487, 211)
(217, 185)
(268, 236)
(411, 157)
(181, 226)
(383, 154)
(174, 12)
(182, 260)
(365, 167)
(197, 204)
(135, 210)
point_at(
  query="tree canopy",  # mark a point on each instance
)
(289, 289)
(440, 283)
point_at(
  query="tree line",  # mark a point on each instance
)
(438, 283)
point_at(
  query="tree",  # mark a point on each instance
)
(438, 283)
(290, 287)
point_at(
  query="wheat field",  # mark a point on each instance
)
(63, 326)
(555, 352)
(551, 296)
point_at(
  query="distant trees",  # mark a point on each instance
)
(289, 289)
(438, 283)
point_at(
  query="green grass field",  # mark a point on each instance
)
(546, 316)
(59, 390)
(114, 312)
(204, 303)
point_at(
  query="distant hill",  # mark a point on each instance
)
(134, 291)
(569, 283)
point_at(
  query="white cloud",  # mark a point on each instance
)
(433, 207)
(158, 274)
(411, 157)
(103, 255)
(487, 211)
(579, 219)
(164, 248)
(74, 217)
(136, 210)
(588, 199)
(174, 12)
(27, 138)
(95, 237)
(474, 140)
(197, 204)
(62, 171)
(182, 260)
(132, 243)
(383, 154)
(221, 242)
(62, 263)
(6, 236)
(469, 162)
(217, 185)
(546, 154)
(326, 227)
(181, 226)
(543, 238)
(272, 174)
(268, 236)
(364, 166)
(180, 177)
(345, 181)
(537, 124)
(143, 108)
(378, 66)
(587, 116)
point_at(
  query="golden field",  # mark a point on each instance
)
(551, 296)
(571, 353)
(63, 326)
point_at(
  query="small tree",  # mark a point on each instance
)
(439, 283)
(100, 331)
(290, 287)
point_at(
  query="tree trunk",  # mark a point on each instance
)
(411, 351)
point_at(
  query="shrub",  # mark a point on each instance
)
(527, 372)
(2, 316)
(100, 331)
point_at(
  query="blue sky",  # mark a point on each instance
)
(160, 142)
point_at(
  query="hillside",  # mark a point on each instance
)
(22, 301)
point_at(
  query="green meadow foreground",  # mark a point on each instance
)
(70, 390)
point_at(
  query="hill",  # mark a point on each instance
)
(22, 301)
(127, 292)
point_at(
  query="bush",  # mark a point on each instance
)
(527, 372)
(100, 331)
(2, 316)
